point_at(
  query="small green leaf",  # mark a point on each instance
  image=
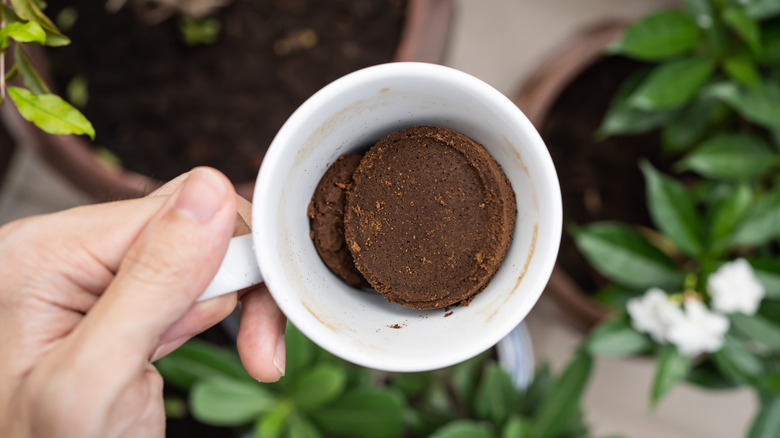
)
(672, 211)
(464, 377)
(532, 398)
(496, 396)
(768, 272)
(671, 370)
(727, 215)
(760, 106)
(772, 382)
(300, 352)
(616, 337)
(362, 413)
(199, 360)
(12, 73)
(767, 421)
(229, 402)
(30, 76)
(627, 258)
(319, 386)
(517, 427)
(563, 401)
(761, 224)
(689, 124)
(614, 297)
(770, 309)
(659, 36)
(624, 119)
(744, 26)
(742, 69)
(462, 429)
(707, 376)
(300, 427)
(672, 84)
(22, 32)
(762, 9)
(737, 362)
(271, 424)
(770, 37)
(28, 10)
(758, 329)
(734, 157)
(50, 113)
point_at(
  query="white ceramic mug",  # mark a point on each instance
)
(349, 115)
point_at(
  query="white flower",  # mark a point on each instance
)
(699, 331)
(654, 313)
(734, 288)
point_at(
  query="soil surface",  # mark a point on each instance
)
(599, 180)
(164, 107)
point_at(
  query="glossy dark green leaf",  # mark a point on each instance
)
(672, 211)
(318, 386)
(727, 215)
(28, 10)
(615, 337)
(517, 427)
(624, 119)
(32, 80)
(199, 360)
(737, 362)
(742, 69)
(767, 421)
(690, 123)
(627, 258)
(659, 36)
(223, 401)
(760, 106)
(734, 157)
(758, 329)
(462, 429)
(362, 413)
(671, 370)
(299, 427)
(672, 84)
(768, 272)
(744, 26)
(761, 224)
(496, 396)
(563, 401)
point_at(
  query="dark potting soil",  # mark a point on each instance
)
(600, 180)
(164, 107)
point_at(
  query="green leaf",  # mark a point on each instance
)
(274, 422)
(412, 384)
(198, 360)
(742, 69)
(534, 395)
(767, 421)
(762, 9)
(464, 377)
(768, 272)
(462, 429)
(672, 211)
(627, 258)
(30, 76)
(624, 119)
(319, 386)
(300, 352)
(616, 337)
(707, 376)
(22, 32)
(496, 396)
(517, 427)
(760, 106)
(300, 427)
(762, 223)
(689, 124)
(563, 401)
(672, 84)
(362, 413)
(50, 113)
(672, 368)
(744, 26)
(770, 309)
(659, 36)
(223, 401)
(772, 382)
(737, 362)
(28, 10)
(614, 297)
(734, 157)
(771, 41)
(727, 215)
(758, 329)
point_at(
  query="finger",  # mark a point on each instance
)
(164, 271)
(261, 335)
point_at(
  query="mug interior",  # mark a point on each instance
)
(350, 115)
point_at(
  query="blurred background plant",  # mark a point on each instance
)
(323, 396)
(22, 22)
(700, 291)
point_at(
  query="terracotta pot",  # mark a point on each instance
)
(423, 39)
(535, 98)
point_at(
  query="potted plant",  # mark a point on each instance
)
(212, 86)
(322, 396)
(696, 285)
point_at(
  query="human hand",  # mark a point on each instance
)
(89, 297)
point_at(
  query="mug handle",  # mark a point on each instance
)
(238, 269)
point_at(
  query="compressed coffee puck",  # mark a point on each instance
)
(326, 220)
(429, 217)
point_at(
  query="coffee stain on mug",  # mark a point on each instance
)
(531, 251)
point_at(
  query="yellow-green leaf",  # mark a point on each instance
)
(50, 113)
(28, 10)
(29, 32)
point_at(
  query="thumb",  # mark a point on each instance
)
(162, 274)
